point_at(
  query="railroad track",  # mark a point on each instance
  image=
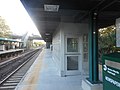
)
(12, 80)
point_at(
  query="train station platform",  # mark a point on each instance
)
(10, 51)
(43, 75)
(7, 54)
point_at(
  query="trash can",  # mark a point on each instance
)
(111, 71)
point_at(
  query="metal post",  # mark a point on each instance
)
(93, 49)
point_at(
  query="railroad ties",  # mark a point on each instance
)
(12, 80)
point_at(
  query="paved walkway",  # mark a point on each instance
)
(43, 76)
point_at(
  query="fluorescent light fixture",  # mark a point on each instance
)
(47, 34)
(51, 8)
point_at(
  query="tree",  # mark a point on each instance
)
(4, 29)
(38, 44)
(106, 40)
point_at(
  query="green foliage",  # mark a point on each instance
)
(4, 29)
(38, 44)
(106, 40)
(106, 37)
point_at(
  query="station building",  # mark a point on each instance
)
(71, 28)
(68, 52)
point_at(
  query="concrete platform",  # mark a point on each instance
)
(10, 51)
(43, 76)
(6, 55)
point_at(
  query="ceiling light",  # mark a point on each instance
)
(51, 8)
(47, 34)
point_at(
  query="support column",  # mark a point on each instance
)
(92, 83)
(93, 49)
(48, 44)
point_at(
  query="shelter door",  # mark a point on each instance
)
(72, 55)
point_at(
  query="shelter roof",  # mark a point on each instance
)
(72, 11)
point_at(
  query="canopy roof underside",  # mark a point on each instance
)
(72, 11)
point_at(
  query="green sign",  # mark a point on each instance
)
(112, 71)
(111, 78)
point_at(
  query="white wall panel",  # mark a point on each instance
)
(59, 44)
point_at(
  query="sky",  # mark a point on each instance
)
(16, 17)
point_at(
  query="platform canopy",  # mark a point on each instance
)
(47, 14)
